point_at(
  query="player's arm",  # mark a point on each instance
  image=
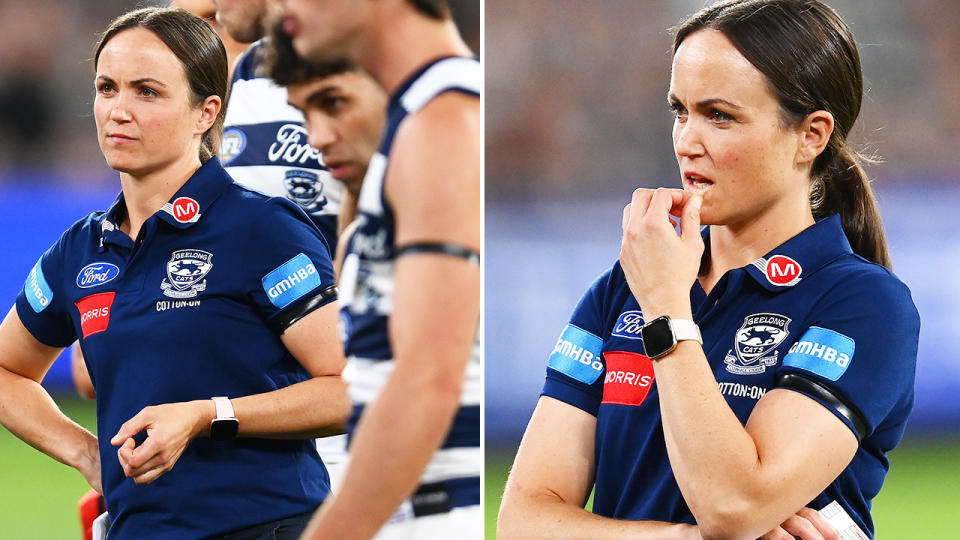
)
(316, 407)
(551, 480)
(740, 481)
(343, 240)
(28, 411)
(348, 212)
(434, 185)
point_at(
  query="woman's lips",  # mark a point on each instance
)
(697, 183)
(119, 138)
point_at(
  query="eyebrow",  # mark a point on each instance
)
(321, 93)
(706, 103)
(137, 82)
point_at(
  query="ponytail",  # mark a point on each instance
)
(841, 186)
(810, 60)
(210, 141)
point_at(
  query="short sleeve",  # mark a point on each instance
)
(41, 303)
(575, 366)
(292, 272)
(858, 356)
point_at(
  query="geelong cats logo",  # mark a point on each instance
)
(186, 270)
(305, 189)
(759, 334)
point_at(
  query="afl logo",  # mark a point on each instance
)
(783, 271)
(232, 145)
(96, 273)
(185, 209)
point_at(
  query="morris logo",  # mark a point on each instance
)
(96, 273)
(185, 270)
(760, 334)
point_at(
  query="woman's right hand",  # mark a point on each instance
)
(807, 524)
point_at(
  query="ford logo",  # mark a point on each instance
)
(96, 273)
(628, 325)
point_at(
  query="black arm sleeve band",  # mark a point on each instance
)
(813, 388)
(302, 308)
(441, 248)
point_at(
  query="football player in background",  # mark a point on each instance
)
(411, 279)
(344, 111)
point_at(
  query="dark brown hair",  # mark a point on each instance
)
(198, 48)
(810, 60)
(435, 9)
(281, 63)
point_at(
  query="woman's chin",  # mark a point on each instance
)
(123, 165)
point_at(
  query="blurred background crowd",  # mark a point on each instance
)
(576, 92)
(46, 85)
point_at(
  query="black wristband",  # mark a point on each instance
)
(440, 248)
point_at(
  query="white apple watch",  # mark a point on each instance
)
(225, 426)
(661, 335)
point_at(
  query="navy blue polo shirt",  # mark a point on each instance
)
(811, 316)
(193, 309)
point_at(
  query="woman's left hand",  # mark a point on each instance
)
(170, 428)
(659, 264)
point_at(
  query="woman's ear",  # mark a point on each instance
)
(209, 110)
(815, 132)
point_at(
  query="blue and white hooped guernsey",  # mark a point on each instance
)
(366, 287)
(265, 147)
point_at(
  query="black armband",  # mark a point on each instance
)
(440, 248)
(813, 388)
(302, 308)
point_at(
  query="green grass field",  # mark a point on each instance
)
(38, 496)
(919, 500)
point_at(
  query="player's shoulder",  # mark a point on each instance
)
(861, 284)
(252, 204)
(854, 272)
(85, 228)
(443, 96)
(247, 63)
(609, 292)
(446, 132)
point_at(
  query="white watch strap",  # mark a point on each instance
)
(225, 408)
(685, 330)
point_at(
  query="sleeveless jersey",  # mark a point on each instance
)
(367, 283)
(265, 147)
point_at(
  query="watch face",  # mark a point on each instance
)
(657, 337)
(224, 429)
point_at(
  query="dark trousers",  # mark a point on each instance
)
(288, 528)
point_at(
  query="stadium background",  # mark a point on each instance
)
(577, 117)
(51, 174)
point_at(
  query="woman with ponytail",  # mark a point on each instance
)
(206, 314)
(734, 381)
